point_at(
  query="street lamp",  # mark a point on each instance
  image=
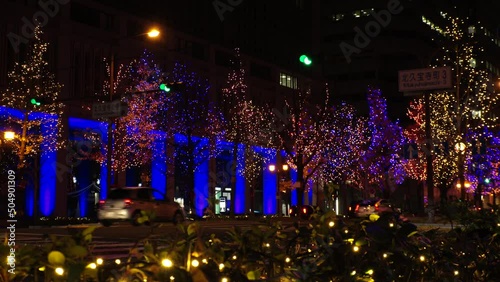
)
(283, 169)
(152, 33)
(9, 135)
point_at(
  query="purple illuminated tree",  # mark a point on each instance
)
(189, 114)
(344, 151)
(380, 165)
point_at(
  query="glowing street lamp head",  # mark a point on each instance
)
(272, 168)
(154, 33)
(9, 135)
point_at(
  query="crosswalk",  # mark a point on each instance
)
(110, 248)
(99, 247)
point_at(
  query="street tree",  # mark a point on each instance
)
(244, 119)
(443, 157)
(33, 92)
(344, 151)
(137, 131)
(380, 165)
(190, 117)
(472, 104)
(304, 137)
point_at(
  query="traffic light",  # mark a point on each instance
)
(164, 87)
(38, 101)
(169, 87)
(305, 60)
(487, 181)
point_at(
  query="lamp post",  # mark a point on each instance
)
(152, 33)
(282, 170)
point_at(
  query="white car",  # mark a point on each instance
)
(372, 206)
(129, 203)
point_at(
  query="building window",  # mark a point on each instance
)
(367, 12)
(337, 17)
(288, 81)
(85, 15)
(261, 71)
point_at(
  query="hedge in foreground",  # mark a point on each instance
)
(328, 248)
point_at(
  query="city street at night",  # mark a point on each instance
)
(238, 140)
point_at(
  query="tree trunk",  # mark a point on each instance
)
(443, 191)
(22, 148)
(191, 170)
(300, 179)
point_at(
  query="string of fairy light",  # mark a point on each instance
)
(189, 112)
(136, 131)
(243, 119)
(306, 136)
(382, 156)
(33, 79)
(347, 138)
(464, 115)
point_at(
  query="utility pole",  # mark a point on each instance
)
(110, 121)
(429, 167)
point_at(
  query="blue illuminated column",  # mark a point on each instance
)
(47, 195)
(239, 193)
(202, 170)
(201, 176)
(100, 128)
(270, 179)
(159, 165)
(310, 191)
(293, 176)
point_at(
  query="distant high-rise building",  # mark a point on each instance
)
(367, 42)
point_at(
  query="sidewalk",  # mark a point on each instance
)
(423, 222)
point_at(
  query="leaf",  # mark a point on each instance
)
(192, 229)
(77, 251)
(148, 248)
(252, 275)
(88, 231)
(87, 238)
(412, 233)
(56, 258)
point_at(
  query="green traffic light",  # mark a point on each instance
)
(34, 102)
(164, 87)
(305, 60)
(487, 181)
